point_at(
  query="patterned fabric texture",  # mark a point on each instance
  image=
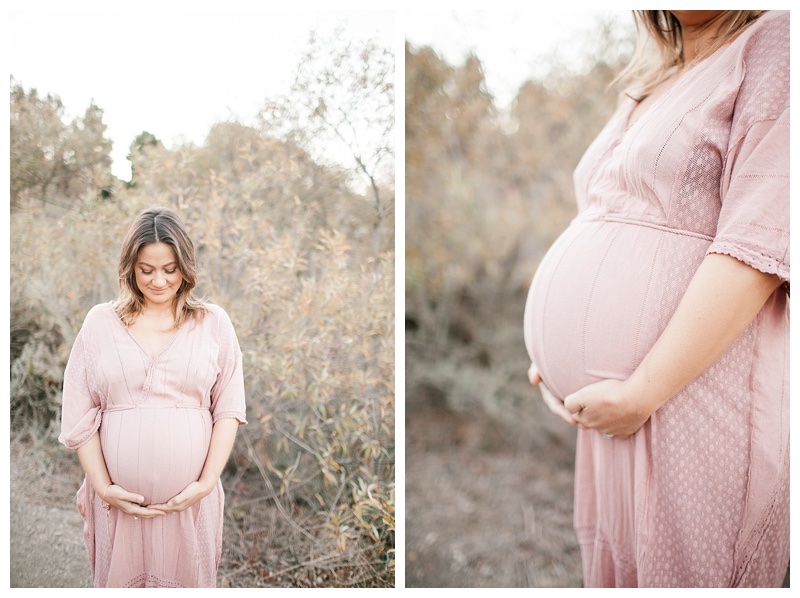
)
(154, 417)
(699, 496)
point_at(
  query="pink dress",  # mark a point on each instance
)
(699, 496)
(155, 418)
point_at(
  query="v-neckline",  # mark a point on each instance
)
(657, 101)
(701, 65)
(152, 359)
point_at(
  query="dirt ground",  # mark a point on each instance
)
(481, 511)
(46, 533)
(489, 470)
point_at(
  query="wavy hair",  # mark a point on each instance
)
(157, 225)
(663, 29)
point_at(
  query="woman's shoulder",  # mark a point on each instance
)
(100, 312)
(773, 19)
(764, 69)
(97, 319)
(216, 311)
(216, 315)
(768, 37)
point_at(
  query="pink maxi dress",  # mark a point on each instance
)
(699, 496)
(155, 418)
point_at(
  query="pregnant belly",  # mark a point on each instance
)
(600, 298)
(155, 452)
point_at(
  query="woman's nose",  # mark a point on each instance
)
(158, 280)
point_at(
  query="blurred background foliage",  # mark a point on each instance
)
(487, 192)
(488, 189)
(295, 239)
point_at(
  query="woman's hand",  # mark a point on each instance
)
(554, 404)
(193, 493)
(93, 463)
(608, 406)
(82, 506)
(128, 502)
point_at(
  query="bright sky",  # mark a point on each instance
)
(511, 45)
(170, 68)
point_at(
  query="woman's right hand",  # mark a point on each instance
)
(554, 404)
(128, 502)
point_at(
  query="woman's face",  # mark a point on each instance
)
(695, 18)
(157, 274)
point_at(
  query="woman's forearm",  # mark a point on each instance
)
(94, 464)
(723, 298)
(223, 436)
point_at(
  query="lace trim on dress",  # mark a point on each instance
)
(232, 414)
(148, 580)
(752, 256)
(77, 443)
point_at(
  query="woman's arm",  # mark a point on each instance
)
(723, 298)
(94, 465)
(223, 436)
(222, 439)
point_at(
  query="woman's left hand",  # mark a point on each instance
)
(553, 403)
(608, 406)
(193, 493)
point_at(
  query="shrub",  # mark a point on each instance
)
(312, 306)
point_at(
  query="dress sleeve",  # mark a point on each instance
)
(753, 223)
(227, 394)
(754, 220)
(80, 406)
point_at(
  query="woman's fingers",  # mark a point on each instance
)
(131, 497)
(115, 492)
(145, 512)
(602, 406)
(533, 374)
(555, 405)
(172, 505)
(138, 510)
(573, 404)
(183, 500)
(129, 502)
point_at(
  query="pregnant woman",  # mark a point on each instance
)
(658, 322)
(153, 396)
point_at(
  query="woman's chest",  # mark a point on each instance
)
(658, 161)
(153, 337)
(180, 369)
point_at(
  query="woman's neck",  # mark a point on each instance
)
(698, 29)
(160, 311)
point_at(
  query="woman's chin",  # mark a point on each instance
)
(159, 298)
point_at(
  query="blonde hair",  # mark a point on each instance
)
(157, 225)
(662, 28)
